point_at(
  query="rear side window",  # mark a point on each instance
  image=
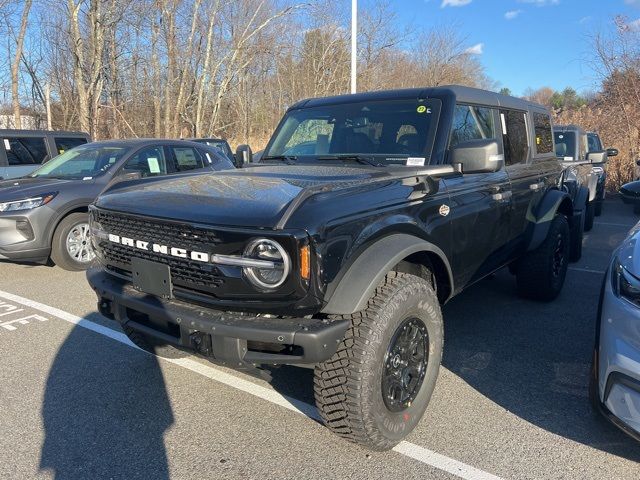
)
(472, 123)
(67, 143)
(186, 158)
(514, 137)
(149, 161)
(25, 150)
(544, 136)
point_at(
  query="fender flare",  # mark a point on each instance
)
(354, 289)
(582, 197)
(539, 221)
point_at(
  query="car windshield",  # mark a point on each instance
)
(385, 132)
(565, 144)
(83, 162)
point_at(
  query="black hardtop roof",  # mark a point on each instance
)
(462, 94)
(568, 128)
(24, 132)
(135, 142)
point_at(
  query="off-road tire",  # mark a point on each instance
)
(59, 254)
(589, 216)
(598, 209)
(348, 387)
(148, 344)
(536, 279)
(577, 235)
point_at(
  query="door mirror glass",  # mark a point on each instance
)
(478, 156)
(597, 157)
(243, 156)
(612, 152)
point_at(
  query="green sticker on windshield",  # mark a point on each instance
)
(421, 109)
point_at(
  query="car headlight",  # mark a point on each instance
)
(270, 263)
(27, 203)
(624, 284)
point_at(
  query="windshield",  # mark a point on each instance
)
(565, 144)
(389, 131)
(86, 161)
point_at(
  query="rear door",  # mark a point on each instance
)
(23, 154)
(543, 152)
(524, 175)
(480, 203)
(185, 158)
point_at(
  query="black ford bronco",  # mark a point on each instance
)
(366, 213)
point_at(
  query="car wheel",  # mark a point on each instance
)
(590, 214)
(376, 387)
(598, 209)
(576, 236)
(541, 272)
(71, 247)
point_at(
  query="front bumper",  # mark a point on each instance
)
(617, 361)
(236, 340)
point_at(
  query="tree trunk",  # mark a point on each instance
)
(15, 66)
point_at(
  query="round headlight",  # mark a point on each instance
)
(272, 263)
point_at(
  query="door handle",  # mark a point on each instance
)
(502, 195)
(536, 186)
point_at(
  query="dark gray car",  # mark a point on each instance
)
(44, 215)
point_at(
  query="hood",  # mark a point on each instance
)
(20, 188)
(250, 197)
(629, 252)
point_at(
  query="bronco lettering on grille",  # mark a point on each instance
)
(162, 249)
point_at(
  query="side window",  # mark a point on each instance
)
(514, 136)
(149, 161)
(25, 150)
(186, 158)
(472, 123)
(594, 143)
(67, 143)
(312, 136)
(544, 137)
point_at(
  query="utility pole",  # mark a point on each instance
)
(354, 44)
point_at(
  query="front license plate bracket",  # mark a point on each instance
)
(151, 277)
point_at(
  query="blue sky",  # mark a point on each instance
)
(525, 43)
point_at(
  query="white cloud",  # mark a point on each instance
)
(633, 25)
(477, 49)
(511, 14)
(584, 20)
(544, 3)
(454, 3)
(635, 3)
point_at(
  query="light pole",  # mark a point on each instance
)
(354, 43)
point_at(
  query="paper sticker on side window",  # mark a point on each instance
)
(415, 161)
(154, 167)
(7, 145)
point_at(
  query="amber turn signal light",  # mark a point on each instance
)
(305, 265)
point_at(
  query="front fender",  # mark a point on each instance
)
(358, 284)
(539, 220)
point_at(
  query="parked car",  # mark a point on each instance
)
(44, 215)
(595, 145)
(615, 379)
(630, 194)
(219, 143)
(22, 151)
(365, 214)
(572, 148)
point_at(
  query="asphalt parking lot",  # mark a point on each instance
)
(78, 401)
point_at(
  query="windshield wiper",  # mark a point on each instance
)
(288, 159)
(365, 160)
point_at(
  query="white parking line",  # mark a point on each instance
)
(587, 270)
(416, 452)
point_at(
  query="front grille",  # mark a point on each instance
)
(184, 272)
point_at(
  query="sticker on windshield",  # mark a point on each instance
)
(568, 159)
(423, 109)
(7, 145)
(154, 167)
(415, 161)
(209, 158)
(87, 178)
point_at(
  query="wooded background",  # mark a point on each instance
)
(230, 68)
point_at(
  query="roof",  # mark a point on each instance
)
(568, 128)
(8, 131)
(462, 94)
(133, 142)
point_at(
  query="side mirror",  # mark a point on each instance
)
(612, 152)
(478, 156)
(597, 157)
(638, 162)
(243, 156)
